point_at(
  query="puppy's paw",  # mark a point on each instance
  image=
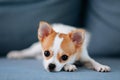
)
(14, 55)
(70, 68)
(102, 68)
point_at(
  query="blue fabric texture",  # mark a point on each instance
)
(103, 20)
(29, 69)
(19, 20)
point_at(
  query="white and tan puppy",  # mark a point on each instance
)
(60, 45)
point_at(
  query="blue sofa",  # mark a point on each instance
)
(19, 21)
(30, 69)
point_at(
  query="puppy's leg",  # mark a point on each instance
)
(92, 64)
(70, 67)
(34, 51)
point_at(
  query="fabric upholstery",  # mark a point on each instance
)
(19, 20)
(29, 69)
(103, 20)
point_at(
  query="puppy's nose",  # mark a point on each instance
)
(51, 66)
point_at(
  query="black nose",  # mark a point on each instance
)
(51, 66)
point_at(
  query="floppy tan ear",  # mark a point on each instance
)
(77, 37)
(44, 30)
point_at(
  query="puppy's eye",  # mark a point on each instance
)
(64, 57)
(47, 53)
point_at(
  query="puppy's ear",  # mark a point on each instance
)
(77, 37)
(44, 30)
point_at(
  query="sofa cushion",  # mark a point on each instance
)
(19, 20)
(103, 20)
(29, 69)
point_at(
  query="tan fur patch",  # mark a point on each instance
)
(67, 45)
(69, 48)
(59, 57)
(48, 42)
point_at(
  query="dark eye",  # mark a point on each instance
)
(47, 53)
(64, 57)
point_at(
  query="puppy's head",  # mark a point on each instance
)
(58, 48)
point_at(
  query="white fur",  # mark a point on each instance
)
(36, 50)
(56, 44)
(70, 67)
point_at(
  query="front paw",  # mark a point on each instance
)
(102, 68)
(70, 68)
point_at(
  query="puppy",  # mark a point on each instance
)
(60, 46)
